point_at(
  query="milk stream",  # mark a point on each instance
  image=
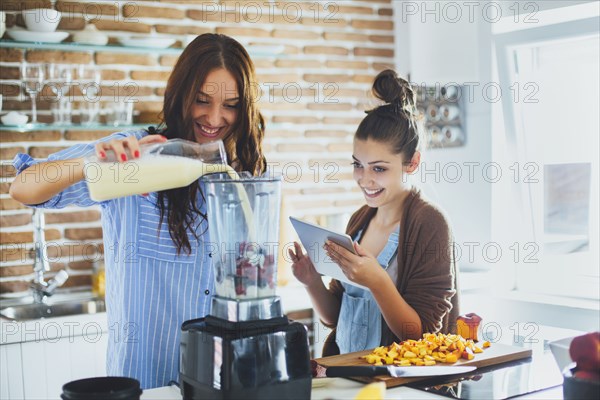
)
(111, 180)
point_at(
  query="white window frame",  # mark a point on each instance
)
(575, 285)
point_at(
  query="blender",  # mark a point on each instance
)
(246, 347)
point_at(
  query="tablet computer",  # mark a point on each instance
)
(313, 238)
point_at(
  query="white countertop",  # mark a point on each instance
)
(339, 388)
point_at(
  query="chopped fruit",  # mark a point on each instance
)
(433, 348)
(486, 344)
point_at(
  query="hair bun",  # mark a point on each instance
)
(392, 89)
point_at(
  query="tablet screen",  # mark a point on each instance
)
(313, 238)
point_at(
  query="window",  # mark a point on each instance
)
(552, 129)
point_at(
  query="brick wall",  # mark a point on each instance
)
(313, 95)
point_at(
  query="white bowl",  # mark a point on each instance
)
(41, 19)
(14, 118)
(23, 35)
(560, 351)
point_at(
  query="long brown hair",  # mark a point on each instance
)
(243, 142)
(394, 122)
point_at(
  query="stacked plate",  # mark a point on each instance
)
(41, 26)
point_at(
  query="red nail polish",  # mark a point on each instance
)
(123, 157)
(136, 153)
(102, 154)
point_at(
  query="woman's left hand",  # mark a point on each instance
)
(362, 267)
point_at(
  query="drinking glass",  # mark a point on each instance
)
(88, 79)
(33, 78)
(59, 78)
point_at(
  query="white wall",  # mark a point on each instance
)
(434, 50)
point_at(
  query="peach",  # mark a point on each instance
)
(585, 351)
(467, 326)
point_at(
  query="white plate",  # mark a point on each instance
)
(157, 43)
(27, 36)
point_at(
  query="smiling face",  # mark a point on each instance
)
(216, 107)
(379, 173)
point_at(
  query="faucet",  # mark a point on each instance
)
(40, 289)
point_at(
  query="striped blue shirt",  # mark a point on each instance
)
(150, 290)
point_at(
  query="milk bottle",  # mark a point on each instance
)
(172, 164)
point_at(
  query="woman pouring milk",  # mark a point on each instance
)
(150, 293)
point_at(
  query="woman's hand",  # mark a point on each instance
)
(130, 143)
(362, 267)
(302, 267)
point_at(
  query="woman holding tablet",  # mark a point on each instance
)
(403, 243)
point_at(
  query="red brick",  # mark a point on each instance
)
(10, 204)
(13, 286)
(112, 75)
(150, 75)
(83, 234)
(126, 25)
(92, 10)
(373, 24)
(26, 237)
(15, 219)
(134, 10)
(254, 32)
(9, 72)
(69, 217)
(7, 171)
(182, 29)
(364, 51)
(340, 51)
(296, 34)
(282, 63)
(347, 64)
(11, 55)
(86, 136)
(71, 23)
(337, 78)
(15, 252)
(381, 38)
(330, 107)
(34, 136)
(44, 152)
(8, 153)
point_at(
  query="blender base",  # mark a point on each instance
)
(260, 359)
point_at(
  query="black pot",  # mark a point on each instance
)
(577, 388)
(102, 388)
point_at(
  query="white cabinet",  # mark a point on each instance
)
(11, 372)
(50, 353)
(438, 42)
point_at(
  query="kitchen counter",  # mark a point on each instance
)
(339, 388)
(501, 381)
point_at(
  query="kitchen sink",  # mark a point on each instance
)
(24, 312)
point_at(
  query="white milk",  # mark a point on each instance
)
(151, 173)
(110, 180)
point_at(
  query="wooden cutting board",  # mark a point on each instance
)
(495, 354)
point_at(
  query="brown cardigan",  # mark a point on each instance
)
(427, 274)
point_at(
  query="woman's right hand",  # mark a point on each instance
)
(130, 143)
(302, 267)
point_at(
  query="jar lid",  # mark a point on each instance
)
(106, 388)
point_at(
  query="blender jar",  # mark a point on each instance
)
(243, 224)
